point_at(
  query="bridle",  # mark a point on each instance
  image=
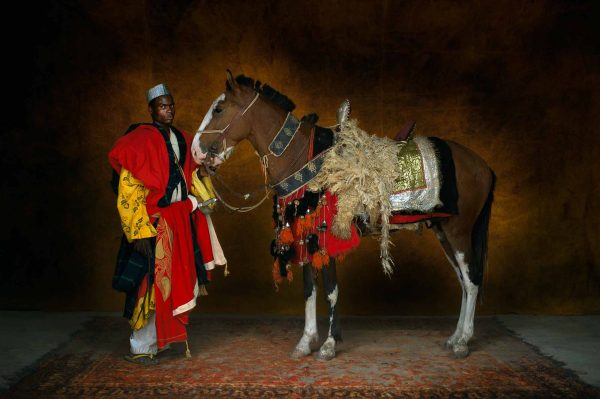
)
(276, 148)
(214, 146)
(212, 153)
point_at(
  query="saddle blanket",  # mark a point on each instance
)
(417, 189)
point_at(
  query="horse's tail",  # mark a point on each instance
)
(479, 237)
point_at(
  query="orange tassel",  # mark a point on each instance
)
(317, 262)
(286, 237)
(325, 258)
(290, 275)
(340, 258)
(299, 228)
(308, 222)
(276, 274)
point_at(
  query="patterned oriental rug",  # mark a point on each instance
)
(234, 357)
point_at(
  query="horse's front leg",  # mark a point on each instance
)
(327, 351)
(311, 335)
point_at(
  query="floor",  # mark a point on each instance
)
(574, 340)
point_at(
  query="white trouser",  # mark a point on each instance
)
(143, 341)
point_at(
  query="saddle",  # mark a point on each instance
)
(406, 132)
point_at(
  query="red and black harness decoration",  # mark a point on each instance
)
(303, 219)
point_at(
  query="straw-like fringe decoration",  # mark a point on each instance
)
(361, 170)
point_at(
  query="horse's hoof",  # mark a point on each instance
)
(298, 353)
(460, 350)
(327, 351)
(325, 355)
(306, 346)
(450, 342)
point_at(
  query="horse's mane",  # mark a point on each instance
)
(280, 99)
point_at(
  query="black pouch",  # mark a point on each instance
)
(131, 268)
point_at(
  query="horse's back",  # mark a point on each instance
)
(468, 160)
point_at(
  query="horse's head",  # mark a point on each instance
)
(247, 110)
(227, 123)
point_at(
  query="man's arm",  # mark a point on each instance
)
(131, 203)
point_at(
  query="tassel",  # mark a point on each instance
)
(299, 227)
(188, 354)
(317, 261)
(226, 271)
(320, 259)
(312, 243)
(203, 291)
(290, 275)
(286, 237)
(308, 221)
(290, 213)
(325, 258)
(340, 258)
(276, 274)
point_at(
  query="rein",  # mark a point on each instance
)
(242, 209)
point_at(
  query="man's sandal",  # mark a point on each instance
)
(143, 359)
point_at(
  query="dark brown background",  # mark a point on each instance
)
(517, 82)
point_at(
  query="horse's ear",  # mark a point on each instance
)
(231, 84)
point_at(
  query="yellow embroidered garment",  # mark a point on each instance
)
(143, 308)
(202, 188)
(412, 173)
(131, 204)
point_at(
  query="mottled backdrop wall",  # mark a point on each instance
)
(517, 82)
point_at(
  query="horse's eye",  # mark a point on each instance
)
(218, 110)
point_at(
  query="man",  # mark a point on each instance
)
(166, 250)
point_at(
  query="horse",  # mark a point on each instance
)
(257, 112)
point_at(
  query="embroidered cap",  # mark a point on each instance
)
(157, 91)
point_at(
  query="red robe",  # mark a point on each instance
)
(144, 153)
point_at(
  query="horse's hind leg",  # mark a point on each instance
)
(311, 335)
(330, 286)
(450, 342)
(459, 252)
(464, 236)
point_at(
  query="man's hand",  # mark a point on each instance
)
(205, 208)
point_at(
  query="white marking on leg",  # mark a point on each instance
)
(332, 298)
(310, 314)
(459, 325)
(327, 350)
(471, 290)
(311, 333)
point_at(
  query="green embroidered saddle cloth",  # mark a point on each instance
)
(412, 175)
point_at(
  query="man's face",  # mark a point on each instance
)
(162, 110)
